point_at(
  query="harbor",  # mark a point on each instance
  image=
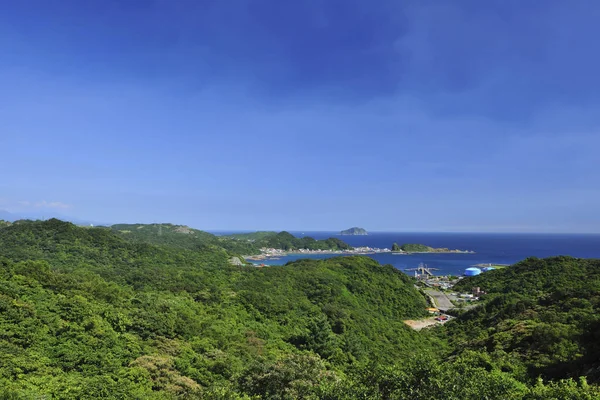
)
(490, 251)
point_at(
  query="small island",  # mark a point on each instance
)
(354, 231)
(421, 248)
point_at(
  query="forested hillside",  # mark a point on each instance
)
(184, 237)
(541, 317)
(251, 235)
(287, 241)
(85, 313)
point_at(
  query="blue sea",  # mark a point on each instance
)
(488, 247)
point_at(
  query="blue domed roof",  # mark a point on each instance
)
(486, 269)
(472, 271)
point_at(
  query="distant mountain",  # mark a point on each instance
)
(40, 215)
(6, 216)
(252, 235)
(354, 231)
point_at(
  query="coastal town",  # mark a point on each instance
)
(269, 253)
(444, 301)
(273, 254)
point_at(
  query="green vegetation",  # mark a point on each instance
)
(85, 311)
(287, 241)
(354, 231)
(182, 236)
(421, 248)
(541, 316)
(252, 235)
(95, 313)
(415, 248)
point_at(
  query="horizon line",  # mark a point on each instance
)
(337, 232)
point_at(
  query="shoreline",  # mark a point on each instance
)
(273, 254)
(277, 253)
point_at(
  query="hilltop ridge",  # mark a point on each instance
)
(241, 244)
(181, 236)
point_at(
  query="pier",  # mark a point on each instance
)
(422, 270)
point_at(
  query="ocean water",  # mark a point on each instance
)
(488, 247)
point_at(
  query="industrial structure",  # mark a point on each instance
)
(472, 271)
(422, 271)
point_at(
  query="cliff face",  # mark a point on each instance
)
(354, 231)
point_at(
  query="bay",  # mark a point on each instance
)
(495, 248)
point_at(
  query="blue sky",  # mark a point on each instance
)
(305, 115)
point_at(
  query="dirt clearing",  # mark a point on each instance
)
(421, 323)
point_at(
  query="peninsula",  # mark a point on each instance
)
(354, 231)
(421, 248)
